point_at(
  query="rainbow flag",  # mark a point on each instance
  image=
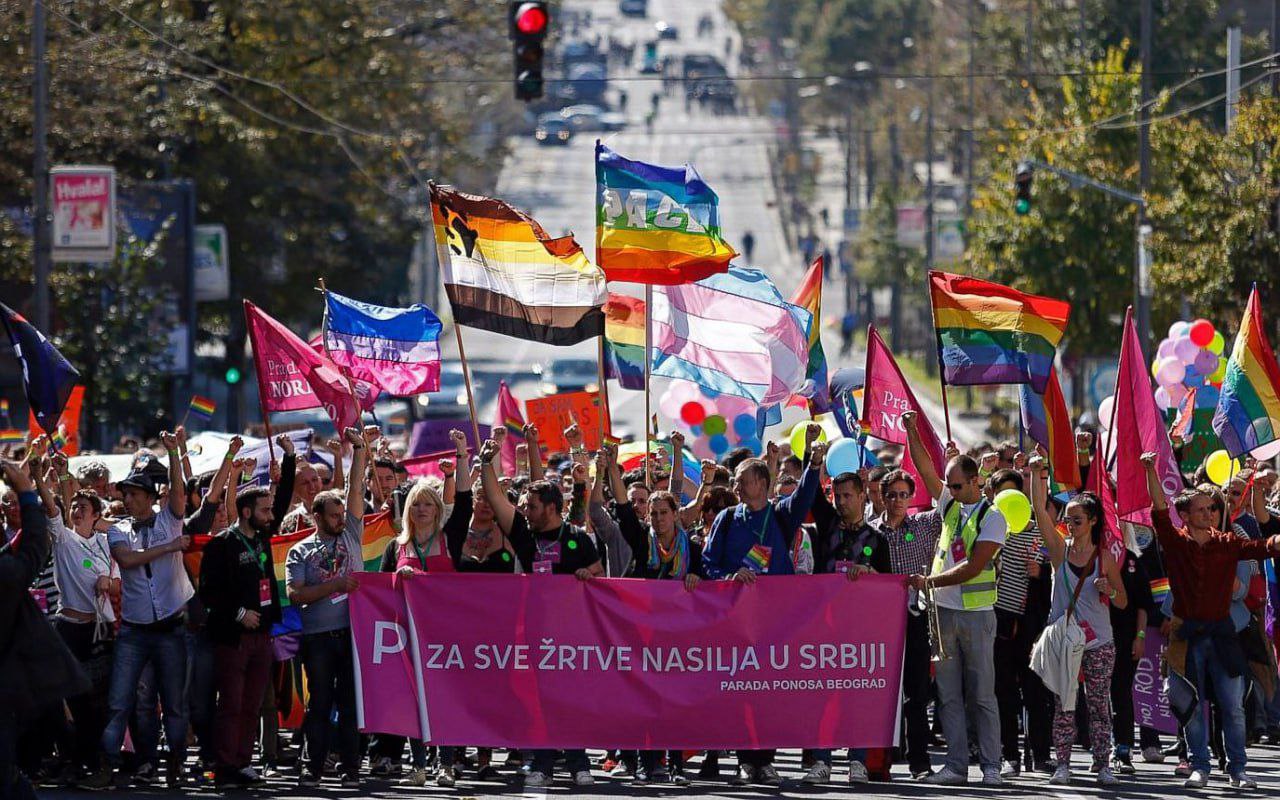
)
(58, 438)
(4, 406)
(657, 225)
(1159, 590)
(808, 295)
(624, 340)
(507, 415)
(202, 407)
(1248, 413)
(377, 533)
(1048, 422)
(12, 436)
(988, 333)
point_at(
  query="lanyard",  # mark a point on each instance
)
(542, 551)
(259, 555)
(421, 558)
(764, 526)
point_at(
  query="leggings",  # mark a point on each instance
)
(1097, 667)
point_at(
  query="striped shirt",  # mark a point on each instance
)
(1011, 575)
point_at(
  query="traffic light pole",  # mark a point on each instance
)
(43, 244)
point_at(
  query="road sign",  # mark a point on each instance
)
(84, 213)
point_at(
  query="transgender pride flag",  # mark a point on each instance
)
(732, 333)
(395, 349)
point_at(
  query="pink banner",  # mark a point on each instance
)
(553, 662)
(1150, 704)
(386, 682)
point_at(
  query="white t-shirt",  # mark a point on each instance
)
(994, 529)
(78, 562)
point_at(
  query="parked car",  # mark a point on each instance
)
(666, 30)
(553, 129)
(451, 401)
(569, 375)
(633, 8)
(588, 117)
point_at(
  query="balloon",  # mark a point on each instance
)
(1186, 350)
(709, 393)
(745, 426)
(753, 444)
(844, 456)
(1165, 350)
(1104, 411)
(1192, 378)
(700, 448)
(1163, 400)
(1155, 368)
(1171, 370)
(1267, 451)
(1220, 372)
(797, 437)
(1016, 509)
(695, 431)
(1201, 332)
(714, 425)
(718, 443)
(1179, 329)
(730, 406)
(1220, 467)
(1216, 343)
(1176, 393)
(1207, 396)
(693, 413)
(1206, 362)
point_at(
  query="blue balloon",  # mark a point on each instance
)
(1207, 396)
(753, 444)
(710, 394)
(695, 431)
(719, 444)
(844, 456)
(745, 426)
(1192, 378)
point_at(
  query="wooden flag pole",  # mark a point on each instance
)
(648, 376)
(466, 377)
(606, 424)
(942, 379)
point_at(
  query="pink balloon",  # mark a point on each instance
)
(1186, 350)
(1176, 393)
(701, 449)
(730, 406)
(1171, 370)
(1165, 349)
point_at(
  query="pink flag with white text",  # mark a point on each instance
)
(1139, 428)
(381, 636)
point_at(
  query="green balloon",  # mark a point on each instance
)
(714, 425)
(1016, 509)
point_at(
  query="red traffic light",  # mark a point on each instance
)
(531, 18)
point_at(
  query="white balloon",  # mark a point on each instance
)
(1104, 411)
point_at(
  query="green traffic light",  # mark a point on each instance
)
(233, 375)
(1022, 206)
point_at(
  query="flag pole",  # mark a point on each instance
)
(466, 377)
(648, 375)
(606, 424)
(1111, 428)
(262, 407)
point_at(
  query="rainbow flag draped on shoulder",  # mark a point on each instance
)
(988, 333)
(657, 225)
(1248, 412)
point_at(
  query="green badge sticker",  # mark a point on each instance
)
(506, 556)
(910, 537)
(866, 551)
(573, 544)
(87, 563)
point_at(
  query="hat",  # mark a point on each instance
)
(138, 480)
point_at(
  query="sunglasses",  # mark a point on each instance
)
(897, 495)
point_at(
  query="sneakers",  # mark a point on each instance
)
(417, 777)
(678, 778)
(1198, 779)
(308, 780)
(175, 772)
(745, 775)
(381, 768)
(947, 777)
(487, 773)
(145, 775)
(100, 778)
(768, 776)
(641, 778)
(1242, 780)
(921, 774)
(583, 778)
(1106, 777)
(1122, 764)
(1010, 769)
(1183, 770)
(991, 777)
(1152, 755)
(446, 777)
(1061, 775)
(858, 772)
(819, 773)
(351, 780)
(270, 770)
(620, 770)
(536, 780)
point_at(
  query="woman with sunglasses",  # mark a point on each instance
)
(1077, 555)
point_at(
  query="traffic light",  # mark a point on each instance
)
(1022, 178)
(232, 376)
(528, 23)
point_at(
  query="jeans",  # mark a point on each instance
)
(1229, 696)
(135, 649)
(917, 691)
(243, 672)
(575, 761)
(326, 657)
(968, 675)
(855, 754)
(201, 691)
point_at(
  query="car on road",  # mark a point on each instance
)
(666, 30)
(569, 375)
(633, 8)
(588, 117)
(553, 129)
(450, 402)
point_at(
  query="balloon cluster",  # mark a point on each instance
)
(716, 422)
(1189, 358)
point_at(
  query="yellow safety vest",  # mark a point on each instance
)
(980, 590)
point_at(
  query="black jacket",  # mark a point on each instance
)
(37, 668)
(832, 543)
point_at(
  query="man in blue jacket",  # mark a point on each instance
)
(754, 538)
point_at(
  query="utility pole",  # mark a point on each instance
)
(1141, 272)
(895, 292)
(930, 355)
(1233, 76)
(968, 136)
(43, 244)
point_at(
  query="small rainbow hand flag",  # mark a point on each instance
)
(1159, 589)
(10, 436)
(59, 438)
(4, 406)
(202, 407)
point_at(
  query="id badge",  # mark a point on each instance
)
(843, 566)
(542, 567)
(958, 553)
(264, 592)
(757, 558)
(338, 598)
(42, 599)
(551, 554)
(1089, 635)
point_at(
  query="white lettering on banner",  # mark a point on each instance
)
(669, 214)
(612, 205)
(280, 390)
(74, 190)
(380, 645)
(637, 205)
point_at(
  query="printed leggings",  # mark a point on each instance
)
(1097, 667)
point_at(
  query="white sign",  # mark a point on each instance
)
(948, 237)
(213, 275)
(84, 213)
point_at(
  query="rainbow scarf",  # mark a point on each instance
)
(677, 558)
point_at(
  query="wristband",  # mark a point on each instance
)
(64, 478)
(1111, 595)
(1142, 634)
(228, 457)
(240, 615)
(1083, 451)
(173, 453)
